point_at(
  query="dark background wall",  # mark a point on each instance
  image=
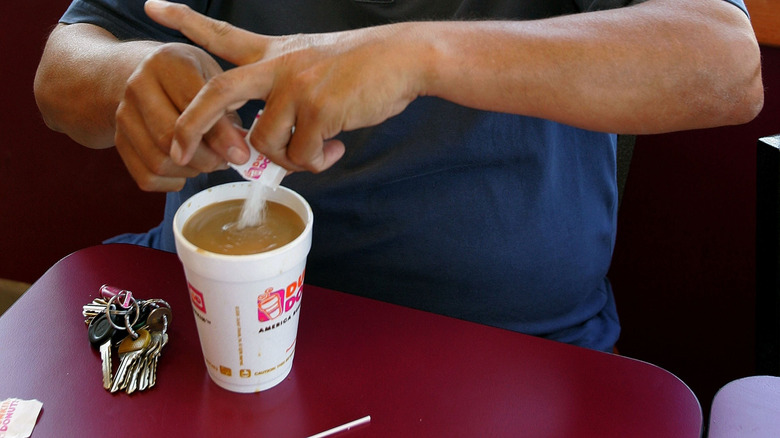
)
(685, 258)
(684, 265)
(55, 195)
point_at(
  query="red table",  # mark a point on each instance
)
(416, 374)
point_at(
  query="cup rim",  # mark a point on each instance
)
(194, 249)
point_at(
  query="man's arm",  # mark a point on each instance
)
(661, 65)
(81, 80)
(104, 92)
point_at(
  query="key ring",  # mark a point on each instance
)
(126, 313)
(157, 302)
(129, 326)
(111, 308)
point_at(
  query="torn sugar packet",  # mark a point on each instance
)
(259, 167)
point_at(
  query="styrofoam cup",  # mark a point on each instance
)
(246, 306)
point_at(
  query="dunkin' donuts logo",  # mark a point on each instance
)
(272, 304)
(7, 410)
(197, 298)
(255, 171)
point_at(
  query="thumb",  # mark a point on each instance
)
(220, 38)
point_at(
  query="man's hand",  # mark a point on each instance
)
(157, 92)
(319, 84)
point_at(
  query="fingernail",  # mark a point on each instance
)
(176, 152)
(237, 155)
(156, 4)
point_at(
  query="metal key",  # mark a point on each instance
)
(129, 351)
(159, 319)
(157, 323)
(102, 335)
(153, 371)
(131, 365)
(131, 319)
(137, 373)
(93, 309)
(148, 375)
(153, 319)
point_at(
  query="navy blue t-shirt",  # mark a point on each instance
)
(495, 218)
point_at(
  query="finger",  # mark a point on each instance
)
(332, 151)
(237, 122)
(218, 37)
(223, 142)
(143, 177)
(176, 71)
(272, 131)
(226, 141)
(212, 153)
(221, 94)
(308, 150)
(153, 149)
(147, 117)
(147, 130)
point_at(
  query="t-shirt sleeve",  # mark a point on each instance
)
(595, 5)
(740, 4)
(125, 19)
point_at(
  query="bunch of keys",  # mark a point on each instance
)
(138, 329)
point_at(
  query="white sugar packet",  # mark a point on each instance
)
(259, 167)
(18, 417)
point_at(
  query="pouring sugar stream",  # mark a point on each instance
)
(264, 175)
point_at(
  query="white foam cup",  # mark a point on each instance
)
(246, 306)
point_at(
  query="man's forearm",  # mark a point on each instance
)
(81, 79)
(658, 66)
